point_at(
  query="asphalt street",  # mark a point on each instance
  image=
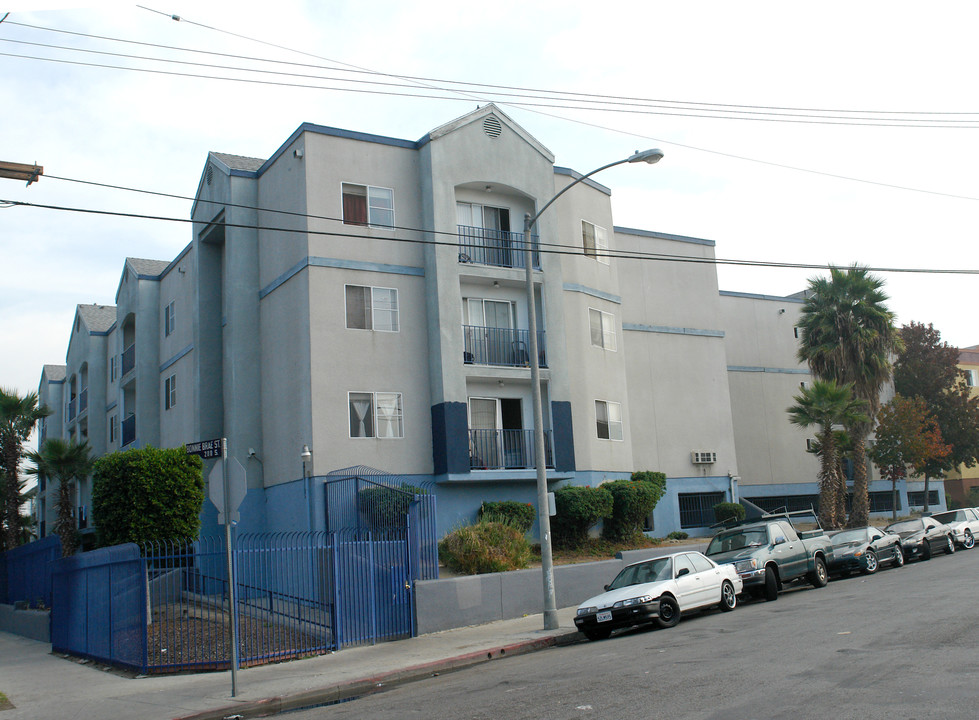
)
(902, 644)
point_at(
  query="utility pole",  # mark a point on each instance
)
(19, 171)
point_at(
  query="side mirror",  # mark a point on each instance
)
(606, 587)
(683, 571)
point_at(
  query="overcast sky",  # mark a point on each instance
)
(787, 192)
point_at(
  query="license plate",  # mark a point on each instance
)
(603, 616)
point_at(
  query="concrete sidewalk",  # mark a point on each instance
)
(43, 686)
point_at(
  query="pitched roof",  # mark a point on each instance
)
(55, 372)
(143, 266)
(98, 318)
(239, 162)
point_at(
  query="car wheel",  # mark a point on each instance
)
(949, 545)
(969, 541)
(669, 612)
(729, 598)
(818, 576)
(771, 585)
(598, 634)
(925, 550)
(898, 556)
(870, 563)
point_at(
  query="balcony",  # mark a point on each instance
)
(506, 449)
(129, 358)
(500, 346)
(83, 401)
(496, 248)
(128, 430)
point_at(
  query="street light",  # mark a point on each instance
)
(307, 457)
(543, 519)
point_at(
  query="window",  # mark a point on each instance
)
(697, 509)
(168, 320)
(170, 392)
(609, 417)
(368, 205)
(375, 414)
(602, 329)
(113, 428)
(594, 240)
(682, 562)
(113, 367)
(795, 331)
(970, 378)
(811, 445)
(371, 308)
(917, 498)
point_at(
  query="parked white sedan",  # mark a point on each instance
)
(659, 590)
(964, 524)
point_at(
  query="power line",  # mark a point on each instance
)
(660, 257)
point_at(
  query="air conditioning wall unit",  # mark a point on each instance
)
(703, 457)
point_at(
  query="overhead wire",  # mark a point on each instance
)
(552, 249)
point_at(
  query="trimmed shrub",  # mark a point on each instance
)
(725, 511)
(147, 495)
(485, 547)
(578, 510)
(510, 512)
(632, 502)
(384, 507)
(677, 535)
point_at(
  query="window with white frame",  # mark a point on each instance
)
(602, 329)
(113, 367)
(113, 428)
(594, 241)
(970, 378)
(170, 392)
(368, 205)
(609, 418)
(375, 415)
(372, 308)
(168, 320)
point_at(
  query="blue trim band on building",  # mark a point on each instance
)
(341, 264)
(635, 327)
(176, 357)
(585, 290)
(663, 236)
(754, 369)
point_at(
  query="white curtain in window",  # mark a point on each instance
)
(389, 416)
(361, 415)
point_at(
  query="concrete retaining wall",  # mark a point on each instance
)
(477, 599)
(33, 624)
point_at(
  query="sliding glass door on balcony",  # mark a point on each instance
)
(497, 440)
(485, 237)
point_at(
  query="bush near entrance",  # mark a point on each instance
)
(485, 547)
(147, 495)
(578, 510)
(725, 511)
(633, 501)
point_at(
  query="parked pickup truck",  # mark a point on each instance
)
(770, 552)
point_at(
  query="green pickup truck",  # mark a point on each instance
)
(772, 551)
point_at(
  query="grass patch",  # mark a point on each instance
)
(5, 703)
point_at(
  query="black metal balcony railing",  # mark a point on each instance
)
(500, 346)
(71, 409)
(128, 430)
(499, 248)
(129, 358)
(83, 401)
(506, 449)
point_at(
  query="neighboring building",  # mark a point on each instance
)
(962, 481)
(365, 296)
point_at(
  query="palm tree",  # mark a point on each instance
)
(65, 462)
(825, 404)
(18, 415)
(847, 334)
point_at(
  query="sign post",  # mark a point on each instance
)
(226, 489)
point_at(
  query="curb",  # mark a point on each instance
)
(378, 683)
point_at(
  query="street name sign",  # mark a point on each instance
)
(207, 449)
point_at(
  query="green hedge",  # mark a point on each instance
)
(384, 507)
(725, 511)
(632, 502)
(147, 495)
(485, 547)
(510, 512)
(578, 510)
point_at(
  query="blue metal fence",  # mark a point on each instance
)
(27, 575)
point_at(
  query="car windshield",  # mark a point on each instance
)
(906, 526)
(737, 539)
(644, 572)
(848, 536)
